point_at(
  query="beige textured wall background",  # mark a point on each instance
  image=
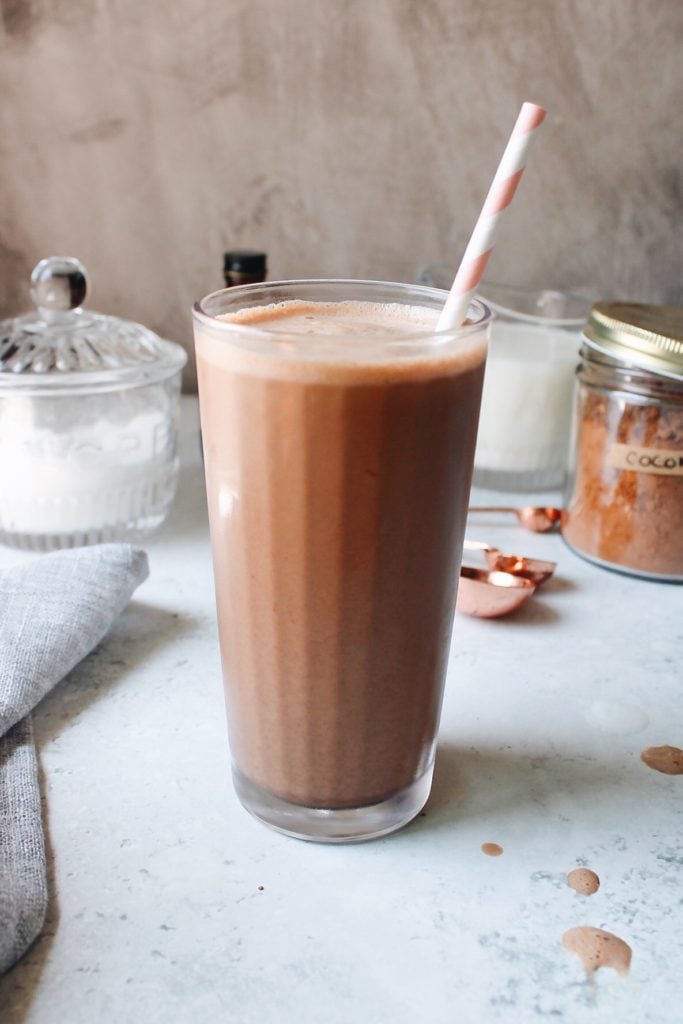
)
(346, 137)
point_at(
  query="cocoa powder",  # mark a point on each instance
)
(631, 518)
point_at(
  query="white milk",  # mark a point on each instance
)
(526, 406)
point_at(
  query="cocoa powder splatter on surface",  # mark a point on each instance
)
(665, 759)
(626, 518)
(491, 849)
(596, 948)
(584, 881)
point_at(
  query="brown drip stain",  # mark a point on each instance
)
(491, 849)
(668, 760)
(584, 881)
(596, 948)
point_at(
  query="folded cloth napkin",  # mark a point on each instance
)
(53, 611)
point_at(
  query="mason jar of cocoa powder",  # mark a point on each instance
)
(624, 501)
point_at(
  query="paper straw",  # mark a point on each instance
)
(483, 239)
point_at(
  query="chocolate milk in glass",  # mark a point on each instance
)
(339, 434)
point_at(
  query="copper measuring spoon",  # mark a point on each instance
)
(532, 517)
(535, 569)
(490, 594)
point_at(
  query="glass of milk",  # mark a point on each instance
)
(524, 426)
(525, 420)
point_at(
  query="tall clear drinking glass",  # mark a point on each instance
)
(339, 430)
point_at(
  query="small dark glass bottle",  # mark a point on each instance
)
(244, 266)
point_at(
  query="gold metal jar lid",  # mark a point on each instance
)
(649, 337)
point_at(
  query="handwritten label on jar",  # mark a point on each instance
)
(646, 460)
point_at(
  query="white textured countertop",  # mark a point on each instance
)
(158, 914)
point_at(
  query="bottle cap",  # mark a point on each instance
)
(245, 261)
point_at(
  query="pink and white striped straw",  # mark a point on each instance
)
(483, 239)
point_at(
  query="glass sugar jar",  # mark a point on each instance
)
(89, 408)
(624, 502)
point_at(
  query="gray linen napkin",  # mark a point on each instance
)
(53, 611)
